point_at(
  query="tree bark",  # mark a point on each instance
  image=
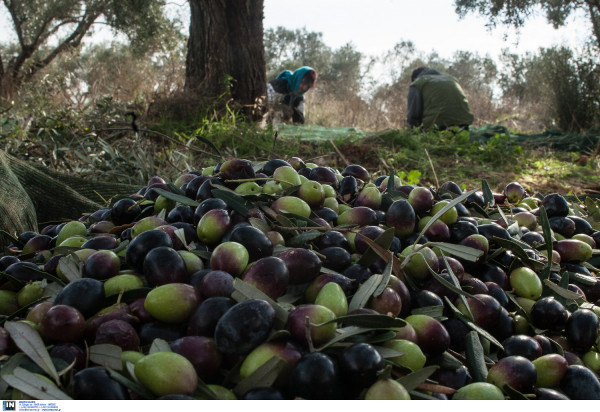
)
(225, 53)
(594, 9)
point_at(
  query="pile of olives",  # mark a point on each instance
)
(291, 280)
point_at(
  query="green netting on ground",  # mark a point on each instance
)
(30, 195)
(554, 139)
(314, 132)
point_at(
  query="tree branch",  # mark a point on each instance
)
(72, 41)
(594, 9)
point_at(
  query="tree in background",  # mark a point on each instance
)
(287, 49)
(477, 76)
(516, 13)
(561, 88)
(46, 29)
(225, 54)
(569, 81)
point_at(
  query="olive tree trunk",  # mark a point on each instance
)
(225, 52)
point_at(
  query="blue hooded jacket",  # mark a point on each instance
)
(294, 78)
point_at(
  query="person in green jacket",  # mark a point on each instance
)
(436, 100)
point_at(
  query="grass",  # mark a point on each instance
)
(115, 152)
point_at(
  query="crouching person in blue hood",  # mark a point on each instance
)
(285, 94)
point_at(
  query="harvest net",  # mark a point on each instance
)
(554, 139)
(32, 194)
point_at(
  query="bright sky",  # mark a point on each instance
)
(375, 26)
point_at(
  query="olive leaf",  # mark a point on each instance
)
(204, 392)
(565, 293)
(135, 387)
(285, 221)
(207, 142)
(413, 380)
(514, 394)
(378, 246)
(475, 357)
(384, 240)
(521, 311)
(488, 196)
(106, 354)
(387, 353)
(10, 238)
(233, 200)
(458, 314)
(478, 209)
(460, 251)
(175, 189)
(127, 296)
(288, 190)
(547, 232)
(445, 360)
(387, 272)
(359, 324)
(502, 216)
(24, 309)
(556, 347)
(33, 385)
(342, 334)
(44, 275)
(373, 337)
(386, 200)
(563, 283)
(180, 233)
(462, 295)
(518, 248)
(7, 368)
(300, 219)
(364, 292)
(30, 342)
(436, 312)
(15, 283)
(243, 291)
(122, 246)
(564, 280)
(592, 208)
(293, 293)
(130, 368)
(391, 182)
(179, 198)
(326, 270)
(416, 395)
(159, 345)
(51, 278)
(588, 265)
(367, 320)
(581, 278)
(264, 376)
(303, 238)
(71, 267)
(259, 224)
(454, 287)
(443, 210)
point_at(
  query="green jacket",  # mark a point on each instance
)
(436, 99)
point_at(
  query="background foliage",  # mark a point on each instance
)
(85, 112)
